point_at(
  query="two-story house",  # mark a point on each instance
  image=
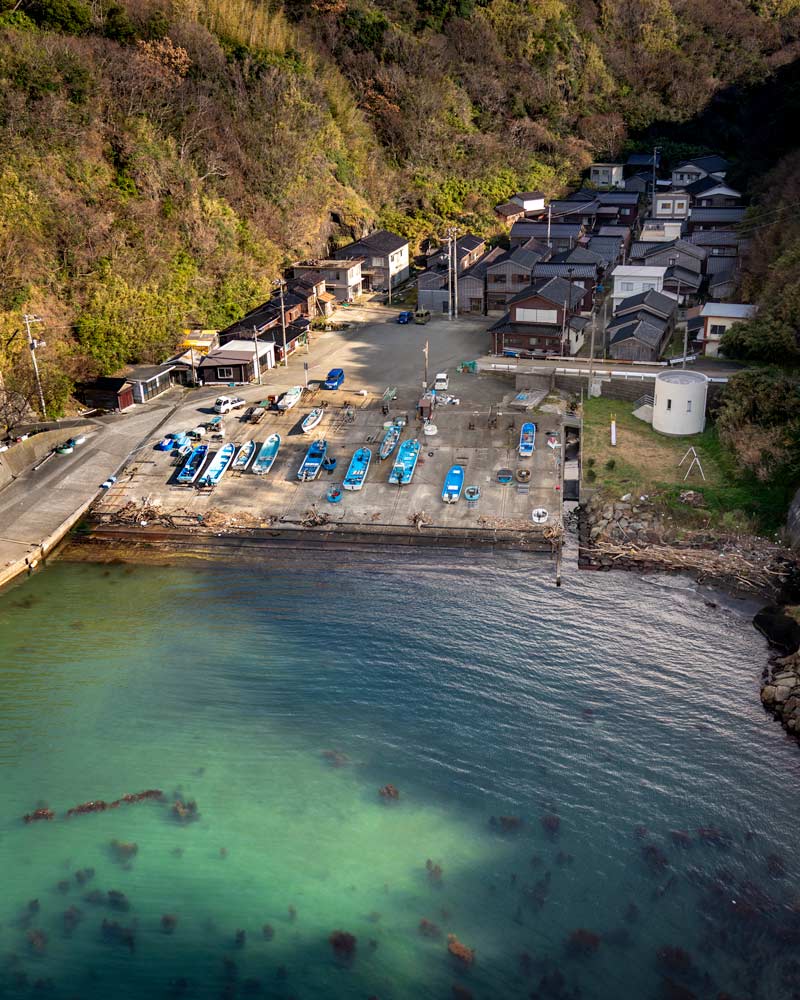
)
(472, 284)
(672, 205)
(699, 167)
(714, 218)
(709, 192)
(607, 175)
(469, 249)
(342, 276)
(385, 255)
(557, 235)
(542, 319)
(633, 279)
(508, 274)
(641, 327)
(718, 317)
(310, 286)
(531, 202)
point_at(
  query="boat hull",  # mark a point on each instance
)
(453, 484)
(266, 456)
(311, 466)
(403, 468)
(390, 439)
(527, 440)
(312, 420)
(291, 398)
(218, 466)
(194, 463)
(245, 456)
(357, 470)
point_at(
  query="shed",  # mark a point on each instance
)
(108, 394)
(679, 404)
(149, 381)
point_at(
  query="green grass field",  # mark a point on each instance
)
(645, 462)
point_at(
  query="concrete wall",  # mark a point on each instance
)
(628, 390)
(23, 454)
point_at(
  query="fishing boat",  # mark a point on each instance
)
(405, 463)
(290, 398)
(390, 439)
(357, 470)
(472, 494)
(218, 466)
(265, 459)
(453, 484)
(334, 494)
(505, 476)
(245, 456)
(194, 463)
(312, 463)
(311, 420)
(527, 440)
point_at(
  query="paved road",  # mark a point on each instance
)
(36, 504)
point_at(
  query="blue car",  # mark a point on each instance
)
(334, 379)
(405, 317)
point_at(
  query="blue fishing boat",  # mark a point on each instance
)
(312, 463)
(527, 440)
(390, 439)
(245, 456)
(218, 466)
(357, 471)
(405, 463)
(194, 463)
(334, 494)
(453, 484)
(265, 459)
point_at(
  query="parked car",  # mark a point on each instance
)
(405, 316)
(334, 379)
(441, 382)
(225, 404)
(422, 315)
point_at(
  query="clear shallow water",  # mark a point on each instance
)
(472, 685)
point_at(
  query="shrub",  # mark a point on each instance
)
(611, 464)
(591, 475)
(70, 16)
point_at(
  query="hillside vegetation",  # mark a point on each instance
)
(162, 160)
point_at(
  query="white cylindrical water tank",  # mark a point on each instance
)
(679, 405)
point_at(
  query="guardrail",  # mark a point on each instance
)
(584, 372)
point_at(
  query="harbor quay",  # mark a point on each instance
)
(147, 503)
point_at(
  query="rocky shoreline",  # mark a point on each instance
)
(634, 534)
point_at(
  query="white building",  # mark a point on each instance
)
(718, 317)
(661, 230)
(679, 405)
(606, 175)
(633, 279)
(530, 201)
(672, 205)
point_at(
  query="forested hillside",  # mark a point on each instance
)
(161, 160)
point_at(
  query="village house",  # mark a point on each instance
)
(672, 205)
(709, 192)
(684, 262)
(541, 320)
(108, 393)
(609, 248)
(531, 202)
(582, 276)
(632, 279)
(342, 276)
(718, 317)
(557, 236)
(472, 284)
(433, 292)
(149, 381)
(622, 233)
(661, 230)
(714, 218)
(509, 211)
(310, 287)
(237, 363)
(508, 274)
(697, 168)
(469, 249)
(641, 327)
(639, 183)
(579, 211)
(385, 256)
(607, 175)
(636, 161)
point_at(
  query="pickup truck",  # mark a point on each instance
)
(224, 404)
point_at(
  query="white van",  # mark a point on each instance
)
(441, 383)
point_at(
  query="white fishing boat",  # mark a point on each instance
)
(312, 419)
(290, 398)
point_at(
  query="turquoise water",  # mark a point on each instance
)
(625, 708)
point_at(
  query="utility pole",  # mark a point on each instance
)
(32, 345)
(656, 151)
(549, 217)
(425, 353)
(389, 273)
(673, 261)
(256, 360)
(279, 284)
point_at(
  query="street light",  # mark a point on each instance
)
(32, 345)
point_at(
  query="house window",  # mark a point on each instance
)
(648, 286)
(663, 206)
(536, 316)
(680, 206)
(626, 286)
(669, 404)
(717, 329)
(224, 373)
(688, 406)
(498, 279)
(519, 279)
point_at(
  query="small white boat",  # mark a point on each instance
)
(312, 419)
(290, 398)
(245, 456)
(266, 457)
